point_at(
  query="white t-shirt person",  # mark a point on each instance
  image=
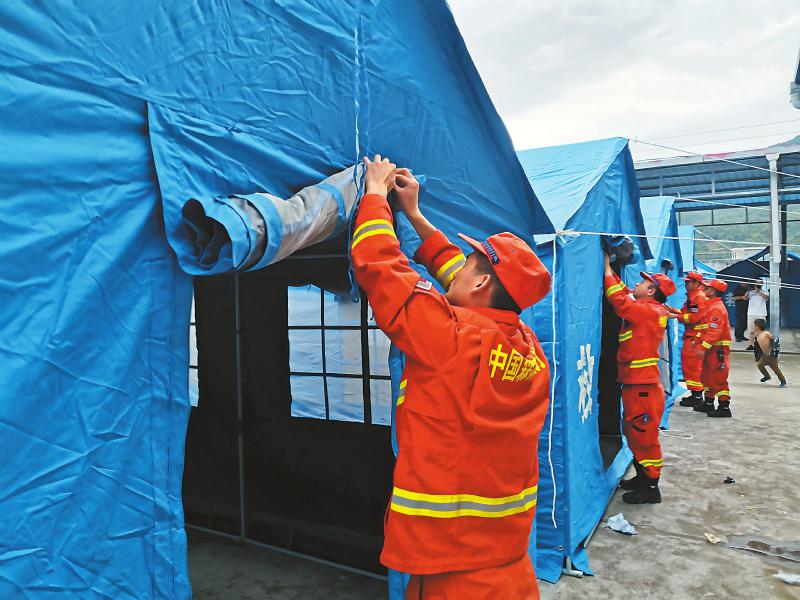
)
(757, 302)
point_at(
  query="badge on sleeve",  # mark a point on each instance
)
(424, 285)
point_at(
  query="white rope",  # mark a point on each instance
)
(553, 383)
(680, 198)
(568, 232)
(713, 158)
(752, 280)
(677, 433)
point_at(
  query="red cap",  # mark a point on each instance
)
(517, 267)
(661, 281)
(694, 276)
(717, 284)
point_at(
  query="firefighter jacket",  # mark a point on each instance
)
(643, 323)
(472, 402)
(691, 314)
(718, 330)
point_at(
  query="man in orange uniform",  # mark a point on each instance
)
(644, 320)
(716, 339)
(692, 353)
(473, 398)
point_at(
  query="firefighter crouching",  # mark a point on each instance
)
(473, 398)
(692, 353)
(644, 320)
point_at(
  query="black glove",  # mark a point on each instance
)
(721, 354)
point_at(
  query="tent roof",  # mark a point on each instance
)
(563, 176)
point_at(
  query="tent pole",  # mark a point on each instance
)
(239, 407)
(569, 570)
(775, 252)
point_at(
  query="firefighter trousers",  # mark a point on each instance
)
(715, 374)
(643, 406)
(513, 581)
(692, 355)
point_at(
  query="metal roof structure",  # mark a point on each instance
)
(725, 177)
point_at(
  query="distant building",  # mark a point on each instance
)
(720, 197)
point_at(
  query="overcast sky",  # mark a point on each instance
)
(571, 70)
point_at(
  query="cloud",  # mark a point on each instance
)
(581, 70)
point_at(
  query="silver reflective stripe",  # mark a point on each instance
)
(374, 227)
(463, 504)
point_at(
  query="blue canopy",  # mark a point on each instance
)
(114, 116)
(588, 187)
(662, 232)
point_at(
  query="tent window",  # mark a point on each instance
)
(194, 384)
(338, 358)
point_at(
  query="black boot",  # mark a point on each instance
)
(724, 410)
(706, 406)
(647, 494)
(637, 481)
(693, 400)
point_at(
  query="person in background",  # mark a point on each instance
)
(766, 352)
(740, 296)
(756, 309)
(644, 320)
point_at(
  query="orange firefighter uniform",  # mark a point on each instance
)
(644, 321)
(716, 340)
(473, 399)
(692, 354)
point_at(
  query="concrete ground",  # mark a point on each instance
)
(669, 558)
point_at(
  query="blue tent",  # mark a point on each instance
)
(757, 267)
(688, 256)
(661, 224)
(588, 187)
(114, 116)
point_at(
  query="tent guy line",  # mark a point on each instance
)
(553, 385)
(672, 137)
(571, 232)
(712, 157)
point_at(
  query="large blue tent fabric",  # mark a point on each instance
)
(589, 187)
(661, 224)
(114, 115)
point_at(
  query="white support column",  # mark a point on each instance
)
(776, 250)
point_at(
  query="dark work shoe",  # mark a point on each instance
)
(750, 347)
(691, 401)
(705, 407)
(765, 378)
(722, 411)
(634, 483)
(783, 384)
(647, 495)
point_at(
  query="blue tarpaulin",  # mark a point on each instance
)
(589, 187)
(114, 116)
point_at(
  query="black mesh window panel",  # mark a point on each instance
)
(315, 486)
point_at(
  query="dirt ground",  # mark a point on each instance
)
(669, 558)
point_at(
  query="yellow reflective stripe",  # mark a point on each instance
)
(644, 362)
(722, 393)
(402, 396)
(723, 343)
(686, 317)
(456, 259)
(448, 506)
(461, 512)
(662, 321)
(613, 289)
(366, 224)
(651, 462)
(625, 335)
(371, 228)
(706, 345)
(694, 383)
(701, 326)
(448, 498)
